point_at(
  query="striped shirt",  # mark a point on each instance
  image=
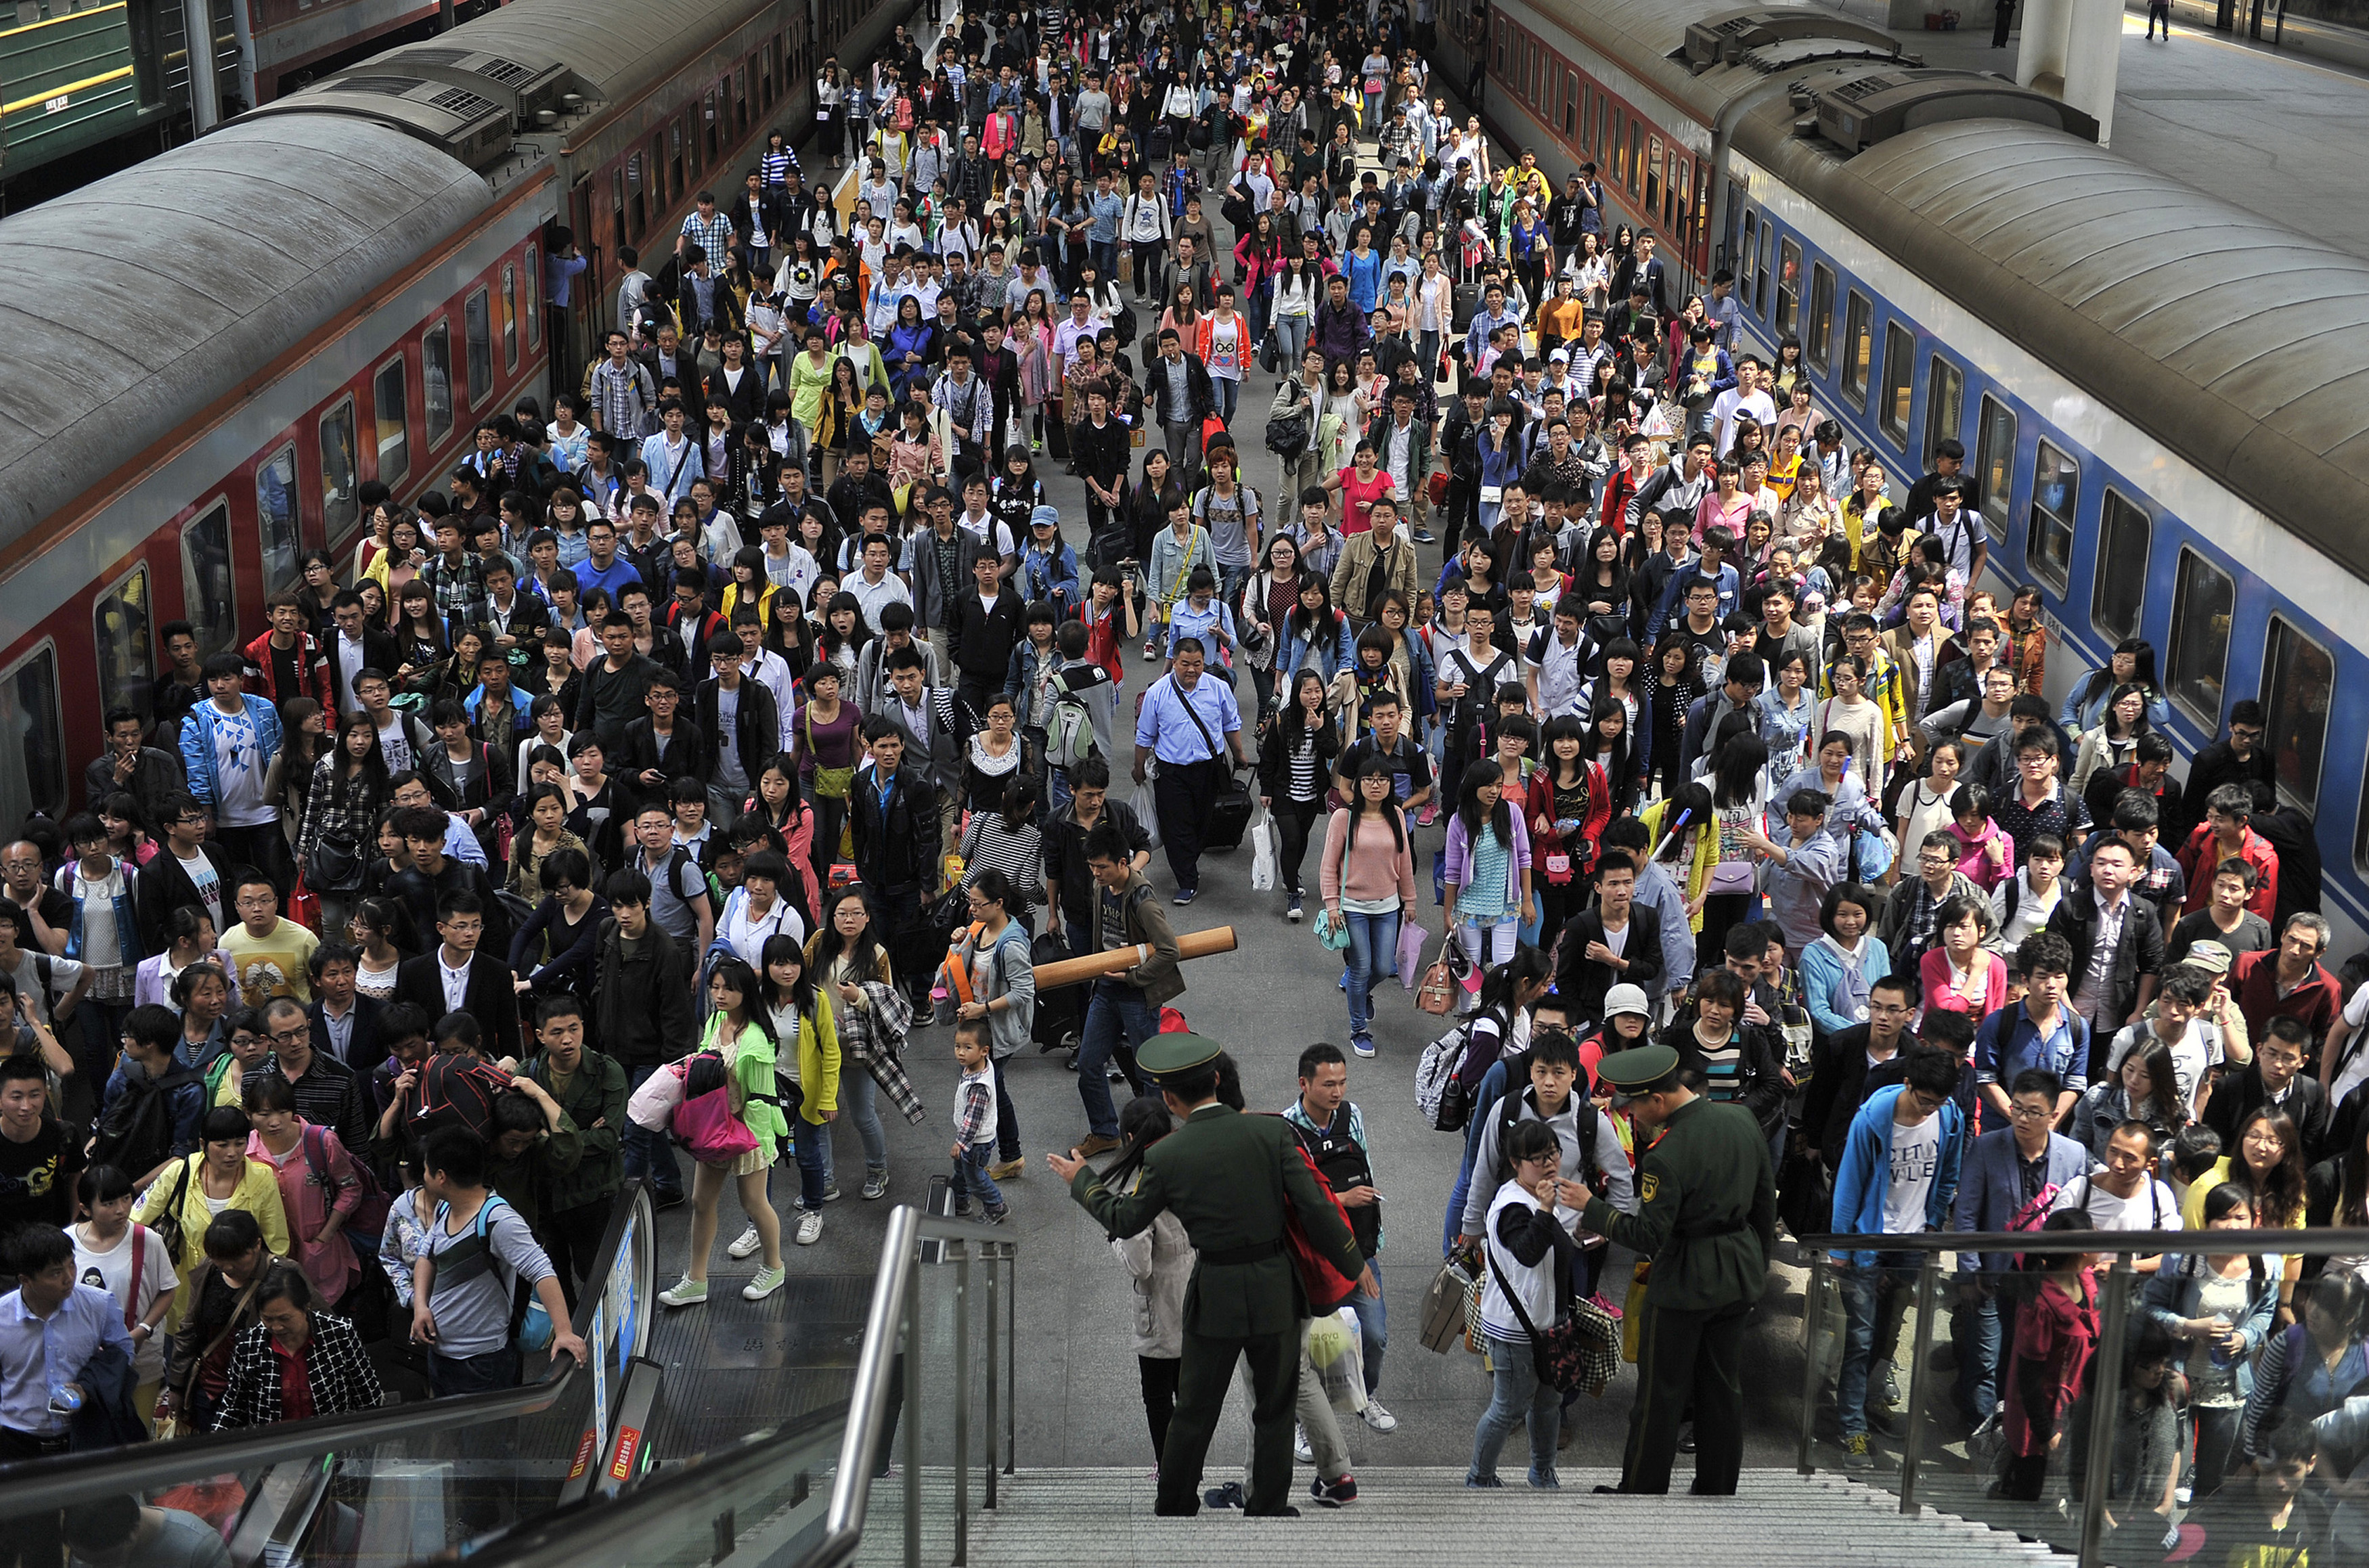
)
(1017, 854)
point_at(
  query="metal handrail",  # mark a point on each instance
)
(2137, 1243)
(655, 1513)
(60, 1481)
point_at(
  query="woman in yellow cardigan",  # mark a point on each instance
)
(219, 1174)
(1683, 851)
(809, 1077)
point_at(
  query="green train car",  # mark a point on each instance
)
(77, 73)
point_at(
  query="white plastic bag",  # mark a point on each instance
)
(1336, 1355)
(1147, 811)
(1262, 855)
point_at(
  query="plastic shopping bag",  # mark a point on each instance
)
(1336, 1356)
(1412, 937)
(1147, 812)
(1262, 855)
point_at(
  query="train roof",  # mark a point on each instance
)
(618, 50)
(148, 296)
(2240, 344)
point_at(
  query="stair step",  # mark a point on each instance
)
(1405, 1515)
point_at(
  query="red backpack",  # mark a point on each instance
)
(1327, 1289)
(457, 1090)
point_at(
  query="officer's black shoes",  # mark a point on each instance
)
(1227, 1496)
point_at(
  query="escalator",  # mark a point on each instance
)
(384, 1487)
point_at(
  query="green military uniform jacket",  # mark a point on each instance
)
(1229, 1176)
(1706, 1210)
(595, 1105)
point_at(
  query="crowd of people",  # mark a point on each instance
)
(655, 780)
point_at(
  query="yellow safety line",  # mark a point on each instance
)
(61, 17)
(69, 88)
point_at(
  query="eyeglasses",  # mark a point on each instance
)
(2028, 1113)
(289, 1036)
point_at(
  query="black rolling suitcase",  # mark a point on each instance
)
(1229, 816)
(1061, 1012)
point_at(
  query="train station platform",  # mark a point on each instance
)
(2274, 132)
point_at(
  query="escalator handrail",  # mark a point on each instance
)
(660, 1504)
(36, 1485)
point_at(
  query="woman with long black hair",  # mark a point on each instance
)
(740, 1032)
(1739, 798)
(2133, 663)
(1295, 762)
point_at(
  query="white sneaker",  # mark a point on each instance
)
(745, 1244)
(1377, 1419)
(809, 1227)
(1299, 1449)
(767, 1280)
(684, 1293)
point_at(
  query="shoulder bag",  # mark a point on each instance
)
(1577, 1353)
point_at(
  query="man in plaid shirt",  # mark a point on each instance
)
(454, 575)
(624, 393)
(707, 228)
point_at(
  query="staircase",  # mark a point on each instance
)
(1421, 1518)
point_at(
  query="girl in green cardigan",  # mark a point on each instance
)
(741, 1032)
(799, 1012)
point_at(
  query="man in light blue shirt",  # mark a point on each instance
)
(1191, 725)
(49, 1329)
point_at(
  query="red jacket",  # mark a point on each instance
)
(1545, 840)
(2199, 856)
(265, 682)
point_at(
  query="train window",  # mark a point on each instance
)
(340, 472)
(391, 428)
(1747, 237)
(1700, 224)
(209, 594)
(531, 296)
(33, 763)
(436, 382)
(711, 129)
(1603, 127)
(617, 209)
(674, 160)
(2124, 534)
(2204, 599)
(119, 630)
(2055, 498)
(641, 200)
(1653, 175)
(1859, 347)
(510, 318)
(1570, 106)
(740, 100)
(1497, 41)
(1760, 290)
(275, 518)
(1899, 385)
(1818, 343)
(1789, 287)
(1634, 159)
(1682, 178)
(1995, 462)
(1945, 405)
(478, 322)
(2297, 676)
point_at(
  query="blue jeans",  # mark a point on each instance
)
(1293, 330)
(970, 1176)
(1373, 953)
(810, 1143)
(1373, 1327)
(649, 1156)
(1981, 1331)
(1104, 256)
(1117, 1020)
(1517, 1395)
(1227, 393)
(859, 1101)
(1866, 1293)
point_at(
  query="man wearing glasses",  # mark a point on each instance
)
(328, 1093)
(1839, 1079)
(2011, 1174)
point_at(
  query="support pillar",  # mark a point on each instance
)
(2072, 50)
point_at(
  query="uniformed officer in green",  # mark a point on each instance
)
(1230, 1178)
(1707, 1219)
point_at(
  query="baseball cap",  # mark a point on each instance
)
(1625, 998)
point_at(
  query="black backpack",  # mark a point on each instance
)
(135, 1133)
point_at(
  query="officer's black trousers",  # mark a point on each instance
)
(1201, 1384)
(1687, 1360)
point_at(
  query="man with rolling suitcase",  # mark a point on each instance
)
(1181, 723)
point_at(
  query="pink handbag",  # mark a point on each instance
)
(705, 1125)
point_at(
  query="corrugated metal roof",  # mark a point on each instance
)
(2241, 345)
(143, 298)
(620, 49)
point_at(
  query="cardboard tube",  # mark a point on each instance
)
(1094, 966)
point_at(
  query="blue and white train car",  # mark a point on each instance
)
(2164, 398)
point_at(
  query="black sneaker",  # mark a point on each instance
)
(1227, 1496)
(1334, 1494)
(662, 1202)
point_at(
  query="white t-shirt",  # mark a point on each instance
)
(2152, 1207)
(111, 1271)
(2198, 1050)
(208, 882)
(395, 746)
(1916, 1158)
(1728, 404)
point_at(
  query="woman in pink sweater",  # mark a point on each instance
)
(1367, 881)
